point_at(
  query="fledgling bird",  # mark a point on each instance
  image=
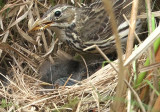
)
(87, 25)
(81, 27)
(58, 73)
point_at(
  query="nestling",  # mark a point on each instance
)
(87, 25)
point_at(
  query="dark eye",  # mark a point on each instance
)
(57, 13)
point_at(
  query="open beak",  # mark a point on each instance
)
(40, 25)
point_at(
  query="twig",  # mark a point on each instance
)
(156, 14)
(67, 80)
(129, 100)
(102, 53)
(131, 28)
(121, 89)
(51, 48)
(41, 4)
(130, 39)
(85, 65)
(136, 95)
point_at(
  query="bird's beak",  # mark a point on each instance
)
(40, 25)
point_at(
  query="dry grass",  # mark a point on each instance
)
(25, 92)
(22, 53)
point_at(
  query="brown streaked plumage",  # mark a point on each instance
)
(88, 25)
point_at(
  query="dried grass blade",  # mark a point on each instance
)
(26, 36)
(14, 84)
(37, 57)
(121, 87)
(31, 19)
(96, 98)
(144, 16)
(145, 45)
(6, 47)
(12, 13)
(1, 23)
(12, 5)
(21, 17)
(51, 48)
(20, 10)
(4, 40)
(150, 67)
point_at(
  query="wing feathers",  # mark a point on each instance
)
(96, 25)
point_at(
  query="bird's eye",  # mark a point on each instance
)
(57, 13)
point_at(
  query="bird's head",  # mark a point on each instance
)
(60, 16)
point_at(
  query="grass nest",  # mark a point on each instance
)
(22, 53)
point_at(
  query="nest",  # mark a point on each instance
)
(22, 54)
(95, 92)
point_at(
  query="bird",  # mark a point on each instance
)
(81, 27)
(60, 71)
(58, 74)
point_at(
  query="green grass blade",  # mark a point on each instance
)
(156, 45)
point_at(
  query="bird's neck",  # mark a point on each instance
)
(60, 33)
